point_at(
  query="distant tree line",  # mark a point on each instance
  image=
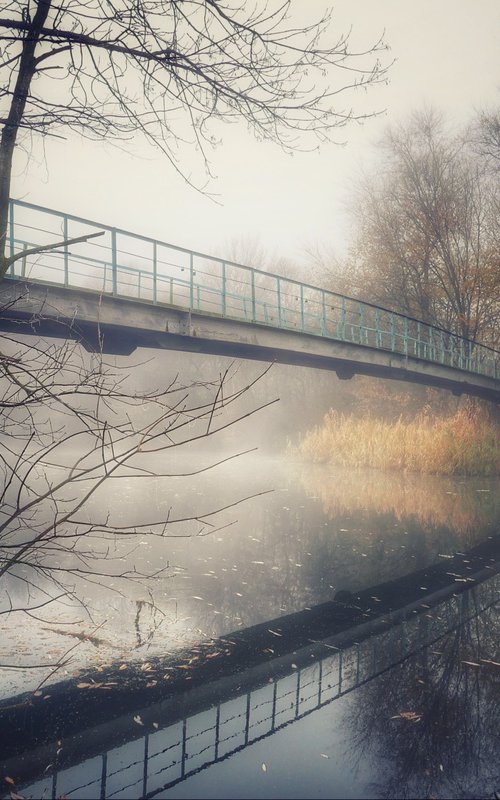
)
(427, 226)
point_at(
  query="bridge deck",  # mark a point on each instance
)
(120, 264)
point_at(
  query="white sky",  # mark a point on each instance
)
(447, 55)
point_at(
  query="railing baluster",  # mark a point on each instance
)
(66, 260)
(223, 289)
(113, 263)
(278, 296)
(323, 313)
(155, 274)
(191, 281)
(252, 282)
(11, 236)
(301, 307)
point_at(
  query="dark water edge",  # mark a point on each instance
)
(291, 668)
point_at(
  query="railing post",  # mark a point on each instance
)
(223, 289)
(442, 348)
(432, 355)
(23, 261)
(113, 263)
(360, 322)
(191, 281)
(342, 317)
(11, 234)
(323, 313)
(419, 339)
(155, 273)
(393, 334)
(405, 340)
(252, 283)
(66, 254)
(278, 297)
(378, 333)
(301, 307)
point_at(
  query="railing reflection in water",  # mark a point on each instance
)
(162, 758)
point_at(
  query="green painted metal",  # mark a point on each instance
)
(157, 272)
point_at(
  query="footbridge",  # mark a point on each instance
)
(118, 290)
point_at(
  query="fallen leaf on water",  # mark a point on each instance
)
(16, 796)
(410, 715)
(123, 666)
(84, 685)
(9, 780)
(471, 663)
(155, 725)
(489, 661)
(38, 693)
(264, 768)
(138, 720)
(324, 755)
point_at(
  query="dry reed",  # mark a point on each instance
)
(461, 444)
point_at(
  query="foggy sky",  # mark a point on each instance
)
(447, 55)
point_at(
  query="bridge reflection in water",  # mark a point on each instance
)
(286, 690)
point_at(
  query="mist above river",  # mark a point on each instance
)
(298, 536)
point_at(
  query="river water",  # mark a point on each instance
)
(422, 723)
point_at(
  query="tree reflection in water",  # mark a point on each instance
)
(432, 724)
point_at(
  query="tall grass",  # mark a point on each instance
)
(462, 444)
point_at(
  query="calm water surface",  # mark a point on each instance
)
(407, 711)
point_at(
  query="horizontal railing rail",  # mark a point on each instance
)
(125, 264)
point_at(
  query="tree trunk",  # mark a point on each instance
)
(27, 68)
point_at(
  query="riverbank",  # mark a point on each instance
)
(464, 443)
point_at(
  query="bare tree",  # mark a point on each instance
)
(428, 237)
(166, 69)
(71, 427)
(484, 138)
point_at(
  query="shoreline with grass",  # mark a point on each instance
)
(464, 443)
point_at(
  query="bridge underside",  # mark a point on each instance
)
(119, 326)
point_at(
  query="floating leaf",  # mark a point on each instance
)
(410, 715)
(264, 768)
(9, 780)
(138, 720)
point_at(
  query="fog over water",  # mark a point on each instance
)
(315, 531)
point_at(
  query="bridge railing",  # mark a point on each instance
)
(124, 264)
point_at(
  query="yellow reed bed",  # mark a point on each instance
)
(463, 444)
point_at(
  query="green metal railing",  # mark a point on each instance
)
(125, 264)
